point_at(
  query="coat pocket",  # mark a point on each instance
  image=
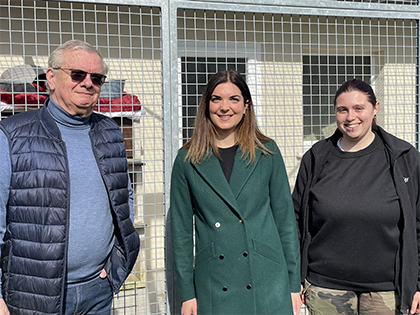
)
(271, 276)
(204, 254)
(267, 252)
(203, 279)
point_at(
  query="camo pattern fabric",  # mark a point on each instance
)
(322, 301)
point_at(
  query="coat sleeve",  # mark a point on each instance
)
(181, 211)
(282, 207)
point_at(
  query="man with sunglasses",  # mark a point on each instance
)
(66, 232)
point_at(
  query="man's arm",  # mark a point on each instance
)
(5, 175)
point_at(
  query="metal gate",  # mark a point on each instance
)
(294, 55)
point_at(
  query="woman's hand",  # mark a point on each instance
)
(296, 302)
(189, 307)
(415, 306)
(302, 295)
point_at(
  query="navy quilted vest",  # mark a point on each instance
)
(34, 254)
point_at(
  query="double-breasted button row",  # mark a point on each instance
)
(217, 224)
(245, 254)
(248, 287)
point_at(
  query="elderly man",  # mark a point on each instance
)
(66, 230)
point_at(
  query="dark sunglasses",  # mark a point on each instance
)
(79, 75)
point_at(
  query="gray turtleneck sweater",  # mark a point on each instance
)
(91, 229)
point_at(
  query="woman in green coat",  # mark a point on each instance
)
(230, 180)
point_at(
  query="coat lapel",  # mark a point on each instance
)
(242, 171)
(211, 171)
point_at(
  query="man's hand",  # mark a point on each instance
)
(189, 307)
(102, 275)
(3, 308)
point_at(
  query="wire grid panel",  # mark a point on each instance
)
(129, 37)
(295, 63)
(292, 63)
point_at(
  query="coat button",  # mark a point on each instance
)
(245, 254)
(241, 222)
(217, 224)
(249, 287)
(221, 256)
(224, 289)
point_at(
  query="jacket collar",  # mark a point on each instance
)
(322, 149)
(394, 145)
(48, 121)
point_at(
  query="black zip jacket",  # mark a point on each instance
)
(405, 170)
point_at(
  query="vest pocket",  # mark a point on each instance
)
(115, 268)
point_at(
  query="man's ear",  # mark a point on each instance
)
(51, 77)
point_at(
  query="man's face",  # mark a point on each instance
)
(76, 97)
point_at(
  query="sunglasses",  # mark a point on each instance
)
(79, 75)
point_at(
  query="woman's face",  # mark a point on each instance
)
(354, 114)
(227, 107)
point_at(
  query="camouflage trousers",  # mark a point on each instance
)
(322, 301)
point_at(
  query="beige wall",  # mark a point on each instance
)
(397, 112)
(281, 109)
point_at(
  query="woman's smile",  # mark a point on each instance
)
(227, 107)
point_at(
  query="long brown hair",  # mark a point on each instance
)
(248, 135)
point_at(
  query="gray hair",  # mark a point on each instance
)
(56, 58)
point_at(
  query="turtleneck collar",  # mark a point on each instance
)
(64, 118)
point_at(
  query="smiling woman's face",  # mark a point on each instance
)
(227, 107)
(354, 114)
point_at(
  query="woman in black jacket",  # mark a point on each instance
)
(357, 207)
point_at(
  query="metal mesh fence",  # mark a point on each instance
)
(129, 37)
(293, 63)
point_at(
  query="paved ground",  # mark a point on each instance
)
(138, 302)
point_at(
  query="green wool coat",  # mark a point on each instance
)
(247, 257)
